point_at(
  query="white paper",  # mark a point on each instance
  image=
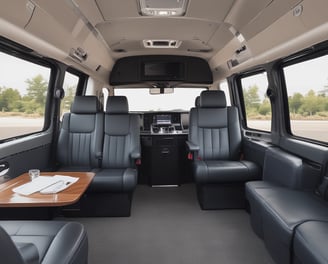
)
(36, 185)
(46, 184)
(63, 183)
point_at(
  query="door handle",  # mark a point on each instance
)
(4, 168)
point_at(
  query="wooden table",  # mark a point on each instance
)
(72, 194)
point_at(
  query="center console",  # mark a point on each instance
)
(164, 155)
(163, 124)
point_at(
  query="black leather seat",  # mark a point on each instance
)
(283, 201)
(121, 149)
(282, 210)
(32, 242)
(310, 243)
(81, 136)
(215, 140)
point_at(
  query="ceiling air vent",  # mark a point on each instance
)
(162, 43)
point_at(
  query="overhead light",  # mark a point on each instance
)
(237, 34)
(162, 43)
(163, 7)
(78, 54)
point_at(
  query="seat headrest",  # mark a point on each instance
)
(117, 105)
(85, 105)
(213, 99)
(197, 101)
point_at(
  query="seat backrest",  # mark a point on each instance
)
(215, 128)
(8, 250)
(121, 134)
(81, 134)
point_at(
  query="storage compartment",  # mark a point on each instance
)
(164, 160)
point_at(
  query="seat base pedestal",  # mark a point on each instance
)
(221, 196)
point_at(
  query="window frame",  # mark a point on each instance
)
(239, 77)
(20, 52)
(314, 52)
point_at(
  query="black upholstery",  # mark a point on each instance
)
(279, 203)
(25, 242)
(280, 169)
(81, 136)
(310, 243)
(283, 210)
(215, 130)
(121, 148)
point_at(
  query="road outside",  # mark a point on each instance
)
(318, 129)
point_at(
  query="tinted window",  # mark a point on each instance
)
(307, 89)
(71, 82)
(257, 104)
(182, 99)
(23, 92)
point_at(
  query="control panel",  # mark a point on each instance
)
(162, 123)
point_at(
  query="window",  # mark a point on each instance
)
(23, 92)
(307, 89)
(71, 82)
(225, 88)
(257, 104)
(182, 99)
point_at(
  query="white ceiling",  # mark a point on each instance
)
(111, 29)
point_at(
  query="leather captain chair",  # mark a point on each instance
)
(215, 141)
(118, 175)
(81, 136)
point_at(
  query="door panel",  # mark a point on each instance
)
(23, 154)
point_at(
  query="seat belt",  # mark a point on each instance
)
(322, 189)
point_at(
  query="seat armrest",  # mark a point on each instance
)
(192, 147)
(135, 154)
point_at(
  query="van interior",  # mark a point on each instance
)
(204, 125)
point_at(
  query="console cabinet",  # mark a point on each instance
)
(164, 159)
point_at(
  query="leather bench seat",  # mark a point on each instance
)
(283, 201)
(50, 242)
(310, 243)
(282, 210)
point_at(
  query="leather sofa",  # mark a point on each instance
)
(285, 212)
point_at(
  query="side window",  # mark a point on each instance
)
(307, 89)
(257, 104)
(71, 82)
(225, 88)
(23, 93)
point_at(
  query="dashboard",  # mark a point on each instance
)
(164, 123)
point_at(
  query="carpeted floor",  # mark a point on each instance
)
(167, 226)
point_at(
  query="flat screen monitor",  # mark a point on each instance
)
(163, 119)
(162, 71)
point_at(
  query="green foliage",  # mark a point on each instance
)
(9, 99)
(251, 98)
(308, 105)
(33, 103)
(265, 107)
(295, 102)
